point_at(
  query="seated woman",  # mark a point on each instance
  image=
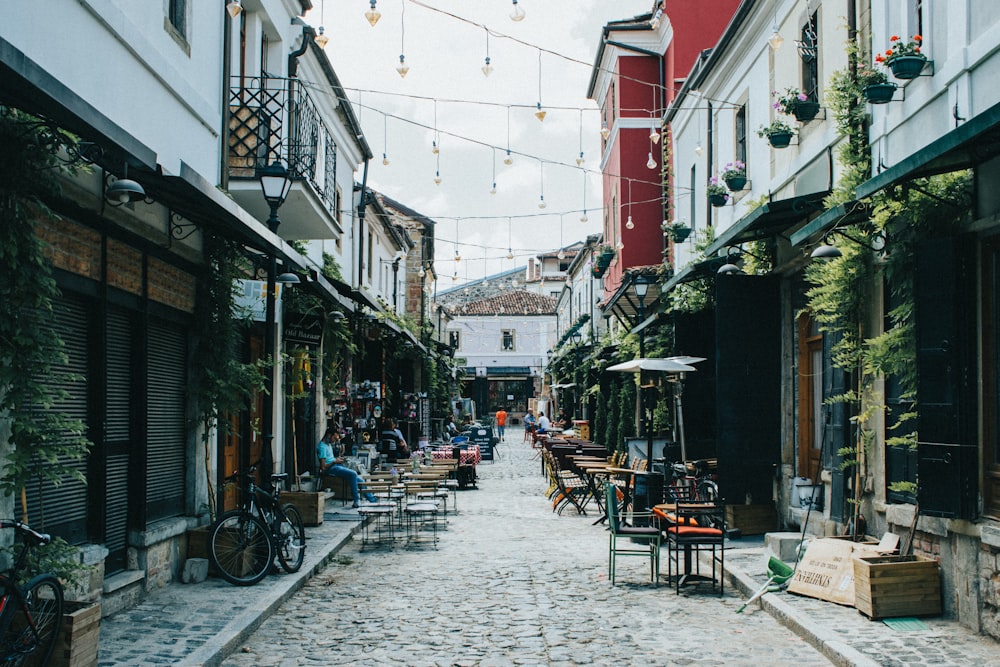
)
(330, 452)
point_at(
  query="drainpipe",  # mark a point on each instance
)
(226, 73)
(711, 160)
(362, 205)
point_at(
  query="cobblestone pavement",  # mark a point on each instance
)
(511, 583)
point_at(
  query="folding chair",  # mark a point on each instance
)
(631, 536)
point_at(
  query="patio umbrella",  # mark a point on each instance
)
(674, 365)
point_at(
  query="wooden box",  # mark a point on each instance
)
(888, 586)
(752, 519)
(310, 505)
(76, 645)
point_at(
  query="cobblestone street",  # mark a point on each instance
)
(511, 583)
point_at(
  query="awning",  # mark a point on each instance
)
(406, 334)
(624, 304)
(847, 213)
(695, 271)
(772, 218)
(969, 144)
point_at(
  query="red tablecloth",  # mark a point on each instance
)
(470, 455)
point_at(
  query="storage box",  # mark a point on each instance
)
(76, 645)
(752, 519)
(310, 505)
(888, 586)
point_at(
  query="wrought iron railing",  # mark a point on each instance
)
(272, 118)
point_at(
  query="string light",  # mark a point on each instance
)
(540, 115)
(434, 142)
(373, 15)
(508, 160)
(458, 258)
(651, 163)
(385, 138)
(605, 132)
(487, 68)
(583, 218)
(561, 255)
(541, 185)
(580, 160)
(493, 164)
(510, 253)
(235, 8)
(516, 15)
(403, 69)
(628, 223)
(775, 40)
(321, 39)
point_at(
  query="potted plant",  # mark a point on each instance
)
(875, 85)
(904, 58)
(794, 102)
(735, 175)
(717, 193)
(677, 231)
(779, 133)
(603, 255)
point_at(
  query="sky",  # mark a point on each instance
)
(445, 98)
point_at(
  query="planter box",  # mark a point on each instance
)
(752, 519)
(880, 93)
(310, 505)
(888, 586)
(907, 67)
(76, 645)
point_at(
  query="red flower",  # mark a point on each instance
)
(894, 38)
(916, 49)
(918, 38)
(879, 58)
(888, 52)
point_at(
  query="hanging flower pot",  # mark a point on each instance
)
(805, 111)
(717, 200)
(779, 139)
(735, 183)
(597, 271)
(907, 67)
(679, 233)
(880, 93)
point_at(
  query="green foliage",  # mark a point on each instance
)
(58, 557)
(331, 268)
(43, 442)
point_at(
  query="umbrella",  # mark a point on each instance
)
(677, 365)
(667, 365)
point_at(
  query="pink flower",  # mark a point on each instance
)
(802, 97)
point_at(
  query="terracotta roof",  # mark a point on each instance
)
(515, 302)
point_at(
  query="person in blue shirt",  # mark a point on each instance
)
(331, 459)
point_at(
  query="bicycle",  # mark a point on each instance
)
(694, 483)
(243, 542)
(30, 614)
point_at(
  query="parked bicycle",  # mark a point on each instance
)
(31, 613)
(692, 482)
(244, 542)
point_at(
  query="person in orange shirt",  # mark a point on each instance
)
(501, 421)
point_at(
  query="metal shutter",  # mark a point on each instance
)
(62, 510)
(165, 420)
(118, 434)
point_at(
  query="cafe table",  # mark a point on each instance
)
(667, 512)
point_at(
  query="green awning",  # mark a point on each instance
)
(846, 213)
(967, 145)
(696, 271)
(772, 218)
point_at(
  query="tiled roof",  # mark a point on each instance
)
(515, 302)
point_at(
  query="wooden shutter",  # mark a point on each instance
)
(945, 312)
(119, 436)
(748, 381)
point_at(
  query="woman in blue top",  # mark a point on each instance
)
(330, 452)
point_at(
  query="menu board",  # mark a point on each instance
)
(482, 436)
(424, 415)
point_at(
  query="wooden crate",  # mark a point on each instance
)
(752, 519)
(76, 645)
(310, 505)
(888, 586)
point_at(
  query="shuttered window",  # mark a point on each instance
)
(62, 510)
(165, 420)
(119, 436)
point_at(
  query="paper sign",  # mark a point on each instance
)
(826, 571)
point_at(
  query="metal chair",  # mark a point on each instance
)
(690, 529)
(619, 531)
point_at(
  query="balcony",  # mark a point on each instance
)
(276, 119)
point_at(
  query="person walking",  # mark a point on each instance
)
(501, 419)
(331, 462)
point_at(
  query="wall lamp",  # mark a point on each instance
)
(123, 190)
(730, 267)
(826, 250)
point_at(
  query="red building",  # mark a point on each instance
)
(640, 62)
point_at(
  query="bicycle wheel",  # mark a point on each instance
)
(290, 534)
(240, 548)
(708, 491)
(30, 635)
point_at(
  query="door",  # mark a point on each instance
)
(811, 426)
(748, 381)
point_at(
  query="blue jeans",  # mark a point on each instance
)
(348, 474)
(500, 429)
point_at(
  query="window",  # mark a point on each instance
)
(455, 339)
(507, 342)
(809, 52)
(740, 130)
(177, 16)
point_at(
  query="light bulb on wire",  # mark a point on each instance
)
(517, 14)
(508, 159)
(437, 178)
(540, 114)
(235, 8)
(697, 149)
(584, 218)
(654, 136)
(487, 68)
(385, 160)
(373, 15)
(403, 69)
(493, 190)
(541, 201)
(580, 160)
(651, 163)
(510, 254)
(605, 131)
(434, 148)
(629, 224)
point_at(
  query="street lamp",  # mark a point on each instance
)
(640, 283)
(275, 183)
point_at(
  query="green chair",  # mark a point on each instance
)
(626, 540)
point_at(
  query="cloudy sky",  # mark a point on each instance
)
(445, 98)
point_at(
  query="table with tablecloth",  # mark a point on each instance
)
(470, 454)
